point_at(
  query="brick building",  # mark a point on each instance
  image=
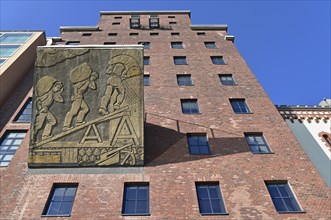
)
(215, 145)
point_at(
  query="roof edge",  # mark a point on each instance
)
(79, 28)
(221, 27)
(145, 12)
(302, 107)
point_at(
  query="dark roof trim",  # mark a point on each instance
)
(221, 27)
(79, 28)
(302, 107)
(145, 12)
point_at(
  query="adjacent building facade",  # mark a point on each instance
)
(215, 146)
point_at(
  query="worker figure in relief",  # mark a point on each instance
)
(48, 90)
(82, 78)
(115, 91)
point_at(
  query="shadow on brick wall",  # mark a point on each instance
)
(166, 146)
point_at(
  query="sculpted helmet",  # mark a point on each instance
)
(44, 85)
(80, 73)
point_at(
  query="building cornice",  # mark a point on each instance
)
(145, 12)
(220, 27)
(79, 28)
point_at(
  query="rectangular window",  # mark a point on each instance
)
(201, 33)
(60, 200)
(73, 43)
(210, 45)
(154, 34)
(134, 34)
(227, 79)
(8, 50)
(135, 21)
(25, 113)
(239, 106)
(109, 43)
(218, 60)
(177, 45)
(147, 45)
(190, 106)
(210, 199)
(118, 17)
(154, 21)
(147, 80)
(9, 144)
(180, 60)
(136, 199)
(146, 61)
(184, 80)
(282, 197)
(116, 23)
(257, 144)
(174, 33)
(172, 22)
(14, 37)
(171, 16)
(2, 61)
(112, 34)
(198, 144)
(86, 34)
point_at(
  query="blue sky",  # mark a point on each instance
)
(285, 43)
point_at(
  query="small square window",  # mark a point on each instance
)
(147, 80)
(198, 144)
(9, 144)
(257, 144)
(177, 45)
(210, 199)
(218, 60)
(8, 50)
(180, 60)
(174, 33)
(86, 34)
(146, 60)
(118, 17)
(134, 34)
(25, 113)
(171, 16)
(116, 23)
(172, 22)
(109, 43)
(190, 106)
(184, 80)
(73, 43)
(136, 199)
(60, 200)
(282, 197)
(154, 21)
(147, 45)
(239, 106)
(112, 34)
(227, 79)
(210, 45)
(154, 34)
(201, 33)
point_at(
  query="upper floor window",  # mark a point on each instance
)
(147, 45)
(171, 16)
(190, 106)
(227, 79)
(136, 199)
(198, 144)
(86, 34)
(134, 34)
(154, 21)
(146, 60)
(257, 144)
(14, 37)
(218, 60)
(2, 60)
(177, 45)
(147, 80)
(239, 106)
(135, 21)
(210, 45)
(118, 17)
(184, 80)
(154, 34)
(25, 113)
(210, 198)
(175, 34)
(60, 200)
(9, 144)
(109, 43)
(112, 34)
(73, 43)
(180, 60)
(8, 50)
(201, 33)
(172, 22)
(116, 23)
(283, 197)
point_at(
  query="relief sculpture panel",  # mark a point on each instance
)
(87, 107)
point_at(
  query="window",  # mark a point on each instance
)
(135, 21)
(201, 33)
(118, 17)
(180, 61)
(25, 113)
(86, 34)
(73, 43)
(112, 34)
(227, 79)
(60, 200)
(257, 144)
(177, 45)
(147, 45)
(8, 50)
(134, 34)
(327, 139)
(239, 106)
(146, 61)
(184, 80)
(190, 106)
(147, 80)
(136, 199)
(9, 144)
(171, 16)
(283, 197)
(2, 61)
(116, 23)
(154, 34)
(172, 22)
(109, 43)
(218, 60)
(210, 45)
(174, 33)
(198, 144)
(210, 198)
(154, 21)
(14, 37)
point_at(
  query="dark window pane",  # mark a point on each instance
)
(146, 61)
(210, 45)
(189, 106)
(25, 113)
(136, 199)
(205, 206)
(218, 60)
(54, 208)
(177, 45)
(239, 106)
(203, 192)
(130, 207)
(227, 80)
(210, 200)
(216, 205)
(65, 208)
(180, 60)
